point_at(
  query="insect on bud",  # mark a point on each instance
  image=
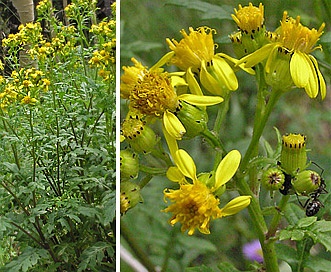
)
(306, 182)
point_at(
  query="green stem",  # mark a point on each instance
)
(276, 219)
(152, 170)
(222, 111)
(134, 246)
(213, 140)
(275, 94)
(269, 254)
(144, 181)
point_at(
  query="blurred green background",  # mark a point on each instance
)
(144, 27)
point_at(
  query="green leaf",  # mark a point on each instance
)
(293, 213)
(321, 226)
(93, 256)
(287, 254)
(228, 267)
(324, 239)
(318, 264)
(306, 222)
(285, 234)
(297, 235)
(28, 259)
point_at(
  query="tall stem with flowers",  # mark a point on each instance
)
(279, 61)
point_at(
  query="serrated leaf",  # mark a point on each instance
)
(293, 213)
(285, 234)
(92, 256)
(321, 226)
(306, 222)
(297, 235)
(324, 239)
(28, 259)
(318, 264)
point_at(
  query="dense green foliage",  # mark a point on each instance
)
(57, 162)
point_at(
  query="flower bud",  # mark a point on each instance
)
(273, 179)
(130, 196)
(139, 136)
(278, 71)
(193, 118)
(293, 156)
(129, 165)
(306, 182)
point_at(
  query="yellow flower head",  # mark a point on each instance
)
(249, 19)
(195, 204)
(288, 51)
(151, 92)
(130, 77)
(296, 37)
(195, 53)
(195, 47)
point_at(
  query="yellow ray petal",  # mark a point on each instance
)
(199, 100)
(173, 126)
(185, 164)
(300, 69)
(209, 82)
(321, 81)
(257, 56)
(175, 175)
(193, 83)
(227, 168)
(235, 61)
(164, 60)
(236, 205)
(171, 142)
(224, 73)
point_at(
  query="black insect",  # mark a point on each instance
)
(287, 185)
(313, 204)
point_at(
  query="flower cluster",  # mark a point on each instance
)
(25, 86)
(206, 77)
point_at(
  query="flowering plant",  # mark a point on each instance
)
(57, 162)
(197, 126)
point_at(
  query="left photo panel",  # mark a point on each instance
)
(58, 135)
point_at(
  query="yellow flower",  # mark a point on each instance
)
(294, 42)
(195, 204)
(28, 100)
(195, 54)
(249, 19)
(151, 92)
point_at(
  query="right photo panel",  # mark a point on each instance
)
(225, 151)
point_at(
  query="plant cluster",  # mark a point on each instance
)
(57, 163)
(167, 109)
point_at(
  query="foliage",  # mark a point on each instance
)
(57, 160)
